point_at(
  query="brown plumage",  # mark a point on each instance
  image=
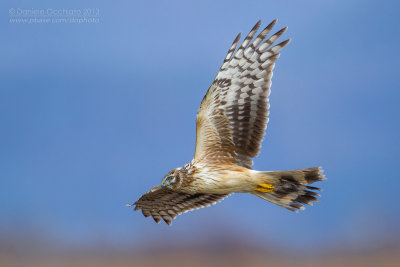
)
(230, 126)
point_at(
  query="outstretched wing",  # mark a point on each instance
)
(233, 115)
(166, 204)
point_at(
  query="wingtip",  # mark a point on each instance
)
(280, 32)
(284, 43)
(255, 28)
(156, 219)
(237, 37)
(272, 24)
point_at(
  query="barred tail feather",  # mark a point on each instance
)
(291, 189)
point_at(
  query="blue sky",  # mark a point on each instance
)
(94, 114)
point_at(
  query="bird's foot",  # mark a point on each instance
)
(264, 188)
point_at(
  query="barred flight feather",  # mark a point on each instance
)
(163, 203)
(238, 100)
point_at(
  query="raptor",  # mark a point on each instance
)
(230, 126)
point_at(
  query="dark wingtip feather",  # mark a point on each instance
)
(281, 31)
(167, 220)
(237, 38)
(145, 213)
(271, 25)
(284, 43)
(156, 218)
(257, 25)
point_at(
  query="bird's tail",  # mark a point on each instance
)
(288, 189)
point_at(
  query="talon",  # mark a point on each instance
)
(265, 188)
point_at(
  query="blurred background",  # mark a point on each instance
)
(98, 102)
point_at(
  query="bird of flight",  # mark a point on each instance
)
(230, 126)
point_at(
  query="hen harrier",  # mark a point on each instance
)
(230, 126)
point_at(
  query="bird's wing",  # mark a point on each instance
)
(233, 115)
(163, 203)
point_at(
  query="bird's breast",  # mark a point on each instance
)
(217, 180)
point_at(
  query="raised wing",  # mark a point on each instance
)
(166, 204)
(233, 115)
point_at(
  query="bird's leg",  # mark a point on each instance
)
(264, 188)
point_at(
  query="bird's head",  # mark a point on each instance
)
(171, 179)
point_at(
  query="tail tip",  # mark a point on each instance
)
(321, 173)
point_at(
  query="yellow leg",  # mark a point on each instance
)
(264, 188)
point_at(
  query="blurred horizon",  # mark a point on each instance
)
(95, 113)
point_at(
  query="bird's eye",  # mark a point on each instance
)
(168, 180)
